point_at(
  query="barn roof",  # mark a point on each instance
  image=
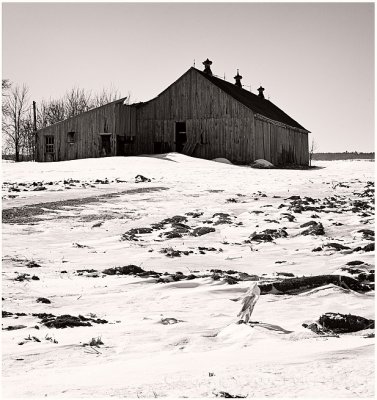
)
(255, 103)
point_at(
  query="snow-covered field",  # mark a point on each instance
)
(177, 335)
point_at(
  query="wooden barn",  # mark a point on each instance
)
(199, 115)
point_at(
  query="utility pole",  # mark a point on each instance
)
(34, 128)
(35, 116)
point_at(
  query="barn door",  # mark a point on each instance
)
(120, 145)
(49, 148)
(180, 136)
(105, 146)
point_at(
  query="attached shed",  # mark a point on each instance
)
(199, 115)
(87, 135)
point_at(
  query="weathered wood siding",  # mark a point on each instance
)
(280, 144)
(125, 126)
(87, 128)
(216, 124)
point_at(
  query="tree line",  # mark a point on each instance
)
(347, 155)
(18, 139)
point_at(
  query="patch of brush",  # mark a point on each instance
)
(26, 277)
(194, 214)
(178, 229)
(361, 274)
(336, 246)
(170, 252)
(89, 272)
(33, 264)
(229, 276)
(170, 321)
(133, 234)
(202, 230)
(221, 218)
(203, 250)
(313, 228)
(13, 327)
(268, 235)
(345, 323)
(69, 321)
(305, 283)
(43, 300)
(176, 219)
(288, 216)
(132, 270)
(232, 277)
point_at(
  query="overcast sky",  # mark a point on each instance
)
(316, 61)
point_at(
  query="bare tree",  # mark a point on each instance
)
(313, 148)
(77, 101)
(74, 102)
(5, 86)
(55, 111)
(105, 96)
(42, 114)
(28, 136)
(18, 132)
(50, 112)
(16, 107)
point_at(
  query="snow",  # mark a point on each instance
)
(222, 160)
(260, 163)
(208, 352)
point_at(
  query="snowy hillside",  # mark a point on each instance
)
(198, 233)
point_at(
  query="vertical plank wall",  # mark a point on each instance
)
(280, 144)
(87, 127)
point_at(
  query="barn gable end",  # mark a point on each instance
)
(215, 124)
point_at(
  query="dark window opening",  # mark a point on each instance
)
(49, 142)
(71, 137)
(180, 136)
